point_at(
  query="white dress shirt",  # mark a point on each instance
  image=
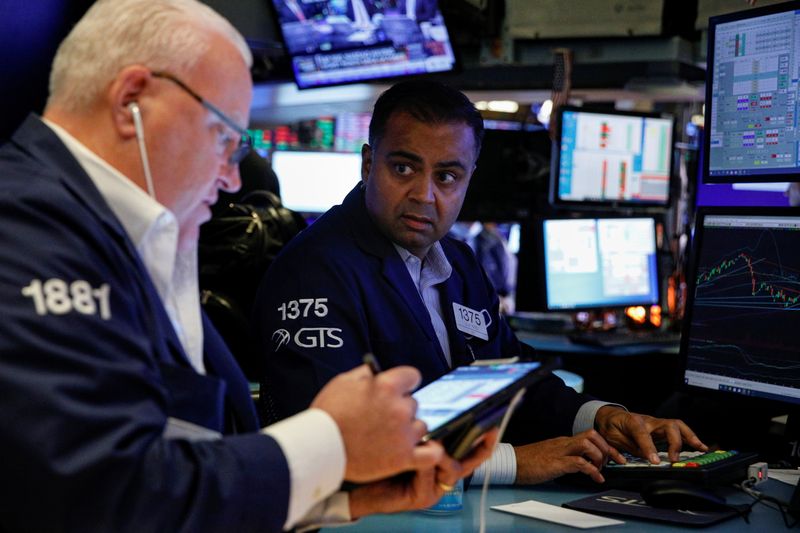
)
(426, 274)
(310, 441)
(153, 229)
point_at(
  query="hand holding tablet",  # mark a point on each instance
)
(463, 404)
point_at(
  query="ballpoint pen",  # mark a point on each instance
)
(372, 363)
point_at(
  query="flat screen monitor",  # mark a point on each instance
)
(752, 95)
(333, 42)
(743, 310)
(313, 182)
(612, 158)
(736, 194)
(597, 263)
(513, 165)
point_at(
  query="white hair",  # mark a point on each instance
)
(160, 34)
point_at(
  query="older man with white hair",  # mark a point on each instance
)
(121, 407)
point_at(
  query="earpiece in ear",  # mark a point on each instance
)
(133, 107)
(136, 114)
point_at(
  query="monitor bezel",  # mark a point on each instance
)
(713, 22)
(455, 68)
(529, 288)
(555, 198)
(541, 267)
(698, 234)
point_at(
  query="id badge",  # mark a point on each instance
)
(472, 322)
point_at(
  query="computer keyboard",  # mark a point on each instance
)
(708, 469)
(614, 338)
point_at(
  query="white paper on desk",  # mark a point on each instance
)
(788, 476)
(559, 515)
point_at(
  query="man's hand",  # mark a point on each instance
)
(419, 489)
(376, 417)
(585, 452)
(634, 433)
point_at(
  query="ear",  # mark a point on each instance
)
(129, 86)
(366, 162)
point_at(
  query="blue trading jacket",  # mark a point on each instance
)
(340, 289)
(90, 369)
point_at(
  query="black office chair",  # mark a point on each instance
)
(235, 250)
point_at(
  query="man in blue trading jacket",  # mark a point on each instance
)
(378, 274)
(121, 408)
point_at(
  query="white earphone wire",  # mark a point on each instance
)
(137, 123)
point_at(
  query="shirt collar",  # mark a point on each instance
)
(434, 262)
(136, 210)
(154, 231)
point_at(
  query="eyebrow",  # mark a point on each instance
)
(418, 159)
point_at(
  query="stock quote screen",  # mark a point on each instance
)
(745, 309)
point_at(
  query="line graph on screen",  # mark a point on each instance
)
(746, 309)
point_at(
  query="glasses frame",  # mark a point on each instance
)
(245, 141)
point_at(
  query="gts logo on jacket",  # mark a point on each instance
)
(309, 338)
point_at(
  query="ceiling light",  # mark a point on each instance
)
(503, 106)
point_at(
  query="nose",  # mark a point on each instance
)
(229, 178)
(422, 190)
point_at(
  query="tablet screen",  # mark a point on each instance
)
(463, 389)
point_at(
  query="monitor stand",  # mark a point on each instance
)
(794, 503)
(791, 439)
(782, 445)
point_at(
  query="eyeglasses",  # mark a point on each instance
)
(242, 147)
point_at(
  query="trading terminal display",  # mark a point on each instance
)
(317, 161)
(745, 307)
(752, 103)
(598, 263)
(613, 158)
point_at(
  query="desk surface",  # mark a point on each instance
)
(560, 343)
(761, 519)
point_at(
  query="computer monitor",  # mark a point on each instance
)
(735, 194)
(742, 315)
(597, 263)
(332, 42)
(752, 95)
(611, 159)
(313, 182)
(512, 167)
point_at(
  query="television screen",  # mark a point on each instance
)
(332, 42)
(752, 95)
(605, 158)
(313, 182)
(740, 327)
(599, 263)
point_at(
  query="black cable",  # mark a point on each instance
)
(764, 499)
